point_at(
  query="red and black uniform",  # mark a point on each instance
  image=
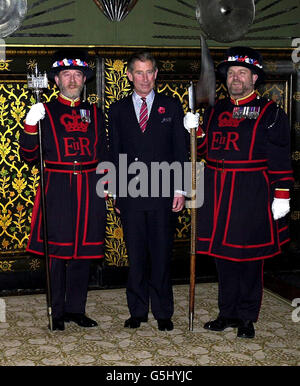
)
(73, 144)
(247, 163)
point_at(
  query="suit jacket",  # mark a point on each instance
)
(163, 140)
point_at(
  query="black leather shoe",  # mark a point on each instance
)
(246, 329)
(135, 321)
(165, 324)
(57, 324)
(81, 319)
(220, 324)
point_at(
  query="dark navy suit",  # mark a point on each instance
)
(147, 221)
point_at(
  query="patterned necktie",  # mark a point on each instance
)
(143, 115)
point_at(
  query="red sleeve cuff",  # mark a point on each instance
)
(282, 193)
(30, 129)
(200, 133)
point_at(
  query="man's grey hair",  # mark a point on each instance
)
(142, 56)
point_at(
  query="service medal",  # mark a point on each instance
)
(85, 115)
(251, 112)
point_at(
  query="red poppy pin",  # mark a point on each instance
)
(161, 110)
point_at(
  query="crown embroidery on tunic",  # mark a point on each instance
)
(73, 122)
(226, 120)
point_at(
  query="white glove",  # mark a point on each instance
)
(280, 207)
(35, 114)
(190, 121)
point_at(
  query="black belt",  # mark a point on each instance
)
(241, 166)
(71, 167)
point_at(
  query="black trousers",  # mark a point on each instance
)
(149, 237)
(69, 285)
(240, 288)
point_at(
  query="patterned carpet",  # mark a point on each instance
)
(26, 341)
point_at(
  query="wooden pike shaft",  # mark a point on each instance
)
(37, 82)
(193, 228)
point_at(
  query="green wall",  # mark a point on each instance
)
(91, 27)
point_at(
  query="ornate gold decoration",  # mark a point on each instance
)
(168, 65)
(297, 185)
(176, 90)
(195, 66)
(183, 225)
(296, 66)
(31, 64)
(270, 66)
(296, 96)
(6, 265)
(276, 93)
(93, 98)
(4, 65)
(295, 215)
(115, 249)
(12, 172)
(35, 264)
(18, 181)
(92, 65)
(221, 90)
(116, 87)
(296, 156)
(116, 82)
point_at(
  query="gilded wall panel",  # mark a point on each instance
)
(18, 181)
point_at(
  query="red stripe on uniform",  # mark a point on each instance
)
(54, 132)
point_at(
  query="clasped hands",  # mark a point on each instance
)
(177, 206)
